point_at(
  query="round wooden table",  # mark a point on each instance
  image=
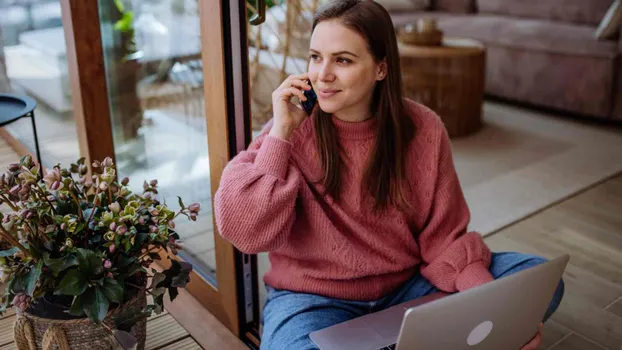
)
(449, 79)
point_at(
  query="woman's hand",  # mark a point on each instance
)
(287, 115)
(535, 342)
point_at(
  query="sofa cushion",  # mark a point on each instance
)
(578, 84)
(454, 6)
(520, 33)
(574, 11)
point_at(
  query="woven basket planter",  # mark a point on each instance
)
(37, 333)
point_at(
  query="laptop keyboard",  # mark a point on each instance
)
(390, 347)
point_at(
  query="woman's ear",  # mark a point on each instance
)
(381, 71)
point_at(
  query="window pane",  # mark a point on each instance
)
(33, 63)
(155, 80)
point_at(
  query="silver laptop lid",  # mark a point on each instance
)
(502, 314)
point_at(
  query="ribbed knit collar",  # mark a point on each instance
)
(355, 130)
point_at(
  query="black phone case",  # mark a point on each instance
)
(310, 102)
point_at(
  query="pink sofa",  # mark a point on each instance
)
(540, 52)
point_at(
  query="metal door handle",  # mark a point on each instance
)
(259, 17)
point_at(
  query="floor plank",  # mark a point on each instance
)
(11, 346)
(185, 344)
(6, 330)
(163, 331)
(575, 342)
(616, 307)
(589, 228)
(553, 332)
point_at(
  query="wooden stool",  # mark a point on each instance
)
(449, 79)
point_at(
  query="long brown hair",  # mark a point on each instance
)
(385, 174)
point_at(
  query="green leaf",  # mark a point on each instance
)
(34, 251)
(95, 305)
(128, 260)
(172, 293)
(181, 203)
(120, 7)
(9, 252)
(79, 227)
(180, 273)
(58, 265)
(90, 263)
(157, 278)
(76, 307)
(18, 284)
(74, 283)
(155, 256)
(66, 207)
(140, 239)
(158, 303)
(128, 317)
(33, 278)
(113, 290)
(124, 25)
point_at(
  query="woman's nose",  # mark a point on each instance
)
(325, 73)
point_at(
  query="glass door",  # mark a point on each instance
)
(169, 113)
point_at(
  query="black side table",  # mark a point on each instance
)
(14, 107)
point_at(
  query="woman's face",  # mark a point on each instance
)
(342, 70)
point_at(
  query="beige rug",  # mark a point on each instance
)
(523, 161)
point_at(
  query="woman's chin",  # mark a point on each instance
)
(330, 108)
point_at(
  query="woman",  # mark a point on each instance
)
(359, 204)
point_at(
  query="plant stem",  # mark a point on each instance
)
(147, 253)
(42, 193)
(139, 287)
(75, 187)
(73, 195)
(6, 235)
(41, 235)
(7, 201)
(95, 202)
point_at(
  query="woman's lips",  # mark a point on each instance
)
(327, 93)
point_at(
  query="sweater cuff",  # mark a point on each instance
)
(273, 156)
(472, 276)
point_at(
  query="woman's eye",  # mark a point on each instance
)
(314, 57)
(343, 60)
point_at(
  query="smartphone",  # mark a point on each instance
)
(311, 100)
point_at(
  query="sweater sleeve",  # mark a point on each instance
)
(453, 259)
(254, 203)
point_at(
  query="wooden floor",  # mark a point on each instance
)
(588, 226)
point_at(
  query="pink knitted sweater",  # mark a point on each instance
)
(341, 249)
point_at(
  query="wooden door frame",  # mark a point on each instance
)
(86, 67)
(238, 87)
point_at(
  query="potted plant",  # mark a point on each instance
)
(75, 253)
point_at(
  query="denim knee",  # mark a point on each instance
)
(535, 260)
(556, 301)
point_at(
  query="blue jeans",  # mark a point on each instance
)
(289, 317)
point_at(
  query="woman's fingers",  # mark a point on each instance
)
(294, 91)
(299, 80)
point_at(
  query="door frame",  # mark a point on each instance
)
(226, 109)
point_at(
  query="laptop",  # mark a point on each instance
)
(502, 314)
